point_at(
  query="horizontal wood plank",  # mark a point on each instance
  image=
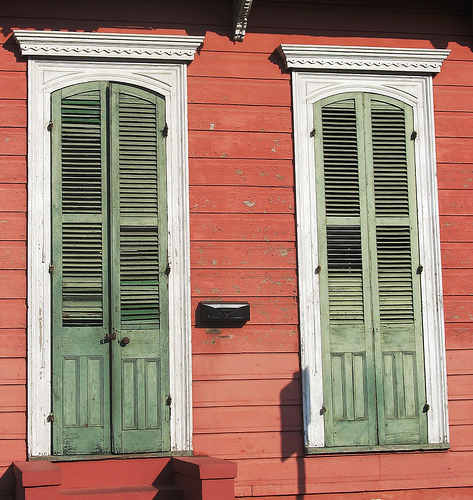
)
(456, 229)
(13, 83)
(457, 281)
(12, 255)
(12, 113)
(455, 202)
(13, 169)
(455, 176)
(240, 118)
(267, 146)
(12, 226)
(239, 393)
(221, 199)
(460, 412)
(245, 366)
(460, 387)
(238, 172)
(249, 65)
(254, 445)
(12, 284)
(12, 371)
(452, 98)
(459, 335)
(12, 398)
(13, 313)
(241, 255)
(461, 437)
(13, 343)
(450, 124)
(459, 362)
(235, 283)
(12, 141)
(246, 227)
(13, 197)
(454, 150)
(247, 419)
(13, 426)
(250, 338)
(204, 90)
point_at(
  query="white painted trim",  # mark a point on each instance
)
(169, 80)
(392, 60)
(417, 92)
(241, 10)
(65, 44)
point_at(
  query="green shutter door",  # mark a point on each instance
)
(139, 280)
(367, 244)
(108, 170)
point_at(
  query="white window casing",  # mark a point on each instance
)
(157, 63)
(406, 75)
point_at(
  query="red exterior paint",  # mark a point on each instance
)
(247, 389)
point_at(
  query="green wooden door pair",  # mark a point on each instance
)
(109, 282)
(372, 342)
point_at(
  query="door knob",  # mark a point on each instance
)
(124, 341)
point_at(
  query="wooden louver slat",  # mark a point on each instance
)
(138, 197)
(389, 159)
(139, 278)
(81, 153)
(340, 151)
(394, 274)
(345, 274)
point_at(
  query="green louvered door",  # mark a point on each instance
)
(109, 283)
(373, 365)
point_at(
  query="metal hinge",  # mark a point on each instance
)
(413, 135)
(420, 268)
(50, 126)
(318, 269)
(426, 408)
(50, 417)
(167, 271)
(169, 400)
(51, 269)
(165, 130)
(323, 410)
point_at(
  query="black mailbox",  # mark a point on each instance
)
(224, 313)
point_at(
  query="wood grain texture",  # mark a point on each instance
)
(13, 169)
(241, 172)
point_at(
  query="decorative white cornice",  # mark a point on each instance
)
(241, 9)
(65, 44)
(327, 58)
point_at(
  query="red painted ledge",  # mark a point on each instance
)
(37, 480)
(205, 478)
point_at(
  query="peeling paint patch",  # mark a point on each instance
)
(223, 155)
(249, 203)
(273, 150)
(214, 262)
(212, 126)
(280, 177)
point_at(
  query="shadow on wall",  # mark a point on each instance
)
(292, 442)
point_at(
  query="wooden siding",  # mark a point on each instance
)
(247, 387)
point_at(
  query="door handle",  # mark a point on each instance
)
(124, 341)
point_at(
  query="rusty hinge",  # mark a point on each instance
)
(420, 268)
(413, 135)
(313, 132)
(50, 126)
(165, 130)
(318, 269)
(169, 400)
(323, 410)
(167, 271)
(50, 417)
(426, 408)
(51, 269)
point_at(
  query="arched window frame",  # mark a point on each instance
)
(404, 74)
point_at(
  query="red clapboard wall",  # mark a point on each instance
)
(246, 382)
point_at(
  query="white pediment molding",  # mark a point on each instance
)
(65, 44)
(365, 59)
(240, 18)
